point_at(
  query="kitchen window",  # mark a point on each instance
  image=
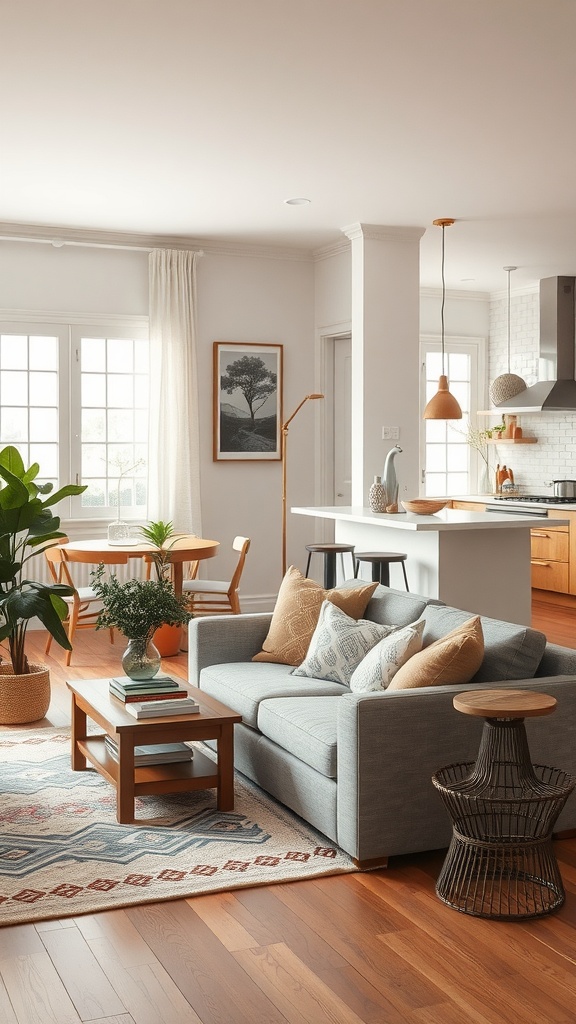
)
(448, 464)
(74, 399)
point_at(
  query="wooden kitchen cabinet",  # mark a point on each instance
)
(553, 550)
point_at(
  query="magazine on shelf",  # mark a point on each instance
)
(154, 753)
(156, 709)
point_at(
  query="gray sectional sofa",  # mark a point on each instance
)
(358, 767)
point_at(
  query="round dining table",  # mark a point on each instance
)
(182, 549)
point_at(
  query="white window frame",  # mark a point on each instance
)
(476, 348)
(69, 328)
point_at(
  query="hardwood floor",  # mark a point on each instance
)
(373, 948)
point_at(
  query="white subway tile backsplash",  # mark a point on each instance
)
(554, 457)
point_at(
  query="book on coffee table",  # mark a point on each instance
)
(156, 709)
(126, 696)
(154, 753)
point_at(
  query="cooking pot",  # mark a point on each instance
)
(564, 488)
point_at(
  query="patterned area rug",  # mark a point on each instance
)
(63, 853)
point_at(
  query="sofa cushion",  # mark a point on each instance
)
(378, 668)
(338, 645)
(242, 685)
(305, 726)
(511, 651)
(452, 660)
(296, 615)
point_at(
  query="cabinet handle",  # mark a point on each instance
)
(539, 533)
(536, 562)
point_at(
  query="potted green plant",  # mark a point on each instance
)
(168, 638)
(137, 608)
(27, 525)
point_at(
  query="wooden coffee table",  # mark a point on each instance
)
(91, 699)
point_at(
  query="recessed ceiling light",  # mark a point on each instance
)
(298, 201)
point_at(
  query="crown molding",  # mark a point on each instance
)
(58, 236)
(527, 289)
(82, 319)
(383, 233)
(453, 293)
(326, 252)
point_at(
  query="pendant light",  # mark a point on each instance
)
(443, 406)
(507, 385)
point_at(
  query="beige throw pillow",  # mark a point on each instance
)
(297, 611)
(454, 659)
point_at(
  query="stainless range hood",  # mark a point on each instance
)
(556, 390)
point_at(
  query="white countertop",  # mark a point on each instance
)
(446, 519)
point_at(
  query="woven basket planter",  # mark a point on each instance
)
(24, 698)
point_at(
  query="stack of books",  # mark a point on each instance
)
(154, 753)
(163, 708)
(159, 688)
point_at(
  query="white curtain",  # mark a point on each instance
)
(174, 449)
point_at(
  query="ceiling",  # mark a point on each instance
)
(199, 118)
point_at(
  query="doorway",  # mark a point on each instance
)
(342, 420)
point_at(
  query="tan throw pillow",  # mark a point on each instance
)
(297, 611)
(454, 659)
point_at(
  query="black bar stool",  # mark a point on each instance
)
(380, 562)
(329, 551)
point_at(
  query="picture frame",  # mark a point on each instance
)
(247, 402)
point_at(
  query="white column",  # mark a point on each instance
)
(385, 356)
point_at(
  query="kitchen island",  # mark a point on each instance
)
(479, 561)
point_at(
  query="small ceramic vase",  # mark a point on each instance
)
(377, 495)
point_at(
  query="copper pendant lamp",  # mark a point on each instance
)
(507, 385)
(443, 406)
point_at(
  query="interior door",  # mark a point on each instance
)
(342, 421)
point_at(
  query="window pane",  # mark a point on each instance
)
(43, 389)
(94, 460)
(14, 425)
(435, 430)
(120, 425)
(457, 457)
(93, 389)
(120, 355)
(43, 425)
(94, 424)
(457, 483)
(120, 391)
(93, 355)
(433, 365)
(46, 455)
(13, 388)
(459, 366)
(14, 352)
(435, 484)
(94, 496)
(43, 353)
(435, 458)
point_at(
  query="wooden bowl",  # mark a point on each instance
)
(423, 506)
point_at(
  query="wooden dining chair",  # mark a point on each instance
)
(218, 597)
(82, 613)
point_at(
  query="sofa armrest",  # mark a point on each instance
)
(557, 660)
(391, 743)
(217, 639)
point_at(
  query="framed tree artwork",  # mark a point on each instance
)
(247, 402)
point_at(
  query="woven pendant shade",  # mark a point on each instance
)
(507, 385)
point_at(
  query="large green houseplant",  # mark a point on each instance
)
(27, 525)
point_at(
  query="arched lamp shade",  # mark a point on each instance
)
(443, 406)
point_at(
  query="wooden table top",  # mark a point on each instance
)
(504, 703)
(96, 695)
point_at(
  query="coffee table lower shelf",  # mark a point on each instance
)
(177, 776)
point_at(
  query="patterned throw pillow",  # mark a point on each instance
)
(381, 664)
(452, 660)
(338, 645)
(296, 614)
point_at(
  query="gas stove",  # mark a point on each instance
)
(539, 499)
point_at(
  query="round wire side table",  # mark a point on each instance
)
(500, 863)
